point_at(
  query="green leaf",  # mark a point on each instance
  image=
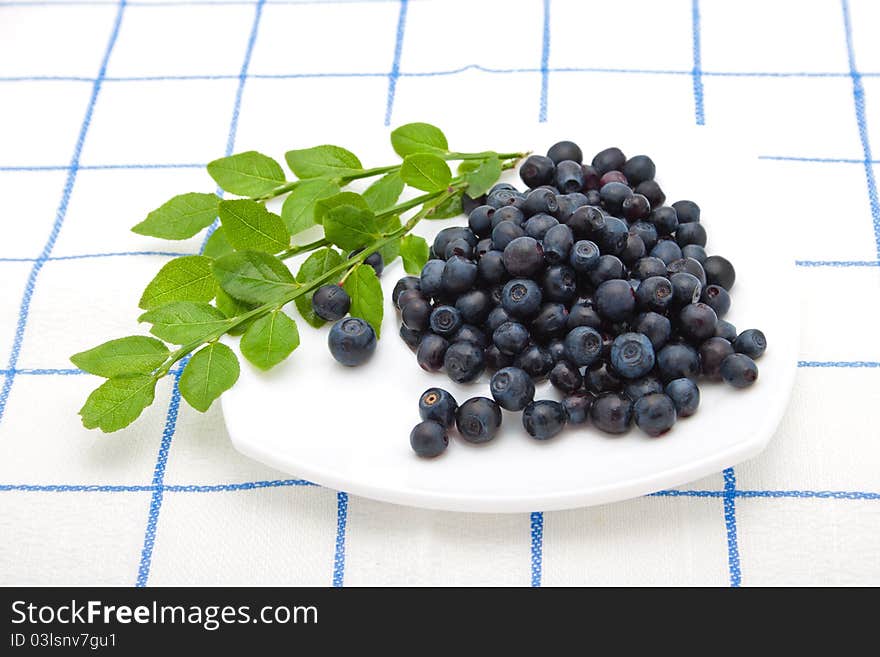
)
(254, 277)
(217, 245)
(136, 354)
(232, 307)
(209, 373)
(351, 228)
(180, 322)
(366, 296)
(298, 211)
(426, 172)
(181, 217)
(383, 193)
(481, 179)
(391, 250)
(323, 161)
(317, 264)
(414, 252)
(467, 166)
(270, 340)
(451, 207)
(118, 402)
(250, 226)
(418, 138)
(183, 279)
(247, 174)
(323, 207)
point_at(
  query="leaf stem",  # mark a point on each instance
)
(296, 249)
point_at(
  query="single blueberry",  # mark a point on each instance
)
(582, 314)
(512, 388)
(480, 220)
(459, 275)
(536, 361)
(431, 279)
(687, 266)
(401, 286)
(507, 213)
(600, 377)
(577, 406)
(537, 170)
(725, 330)
(352, 341)
(521, 297)
(478, 419)
(491, 269)
(719, 271)
(647, 267)
(431, 353)
(647, 232)
(496, 318)
(559, 283)
(717, 298)
(584, 256)
(483, 247)
(610, 159)
(445, 320)
(331, 302)
(511, 338)
(613, 176)
(410, 338)
(697, 321)
(613, 194)
(712, 352)
(688, 234)
(538, 225)
(656, 327)
(504, 233)
(639, 168)
(416, 314)
(583, 345)
(538, 201)
(615, 300)
(750, 342)
(632, 355)
(474, 306)
(447, 235)
(676, 361)
(633, 251)
(428, 439)
(566, 377)
(459, 247)
(374, 260)
(464, 362)
(688, 212)
(565, 150)
(698, 253)
(739, 370)
(609, 268)
(550, 322)
(685, 394)
(569, 176)
(502, 197)
(613, 237)
(523, 257)
(544, 418)
(654, 293)
(591, 179)
(636, 207)
(640, 387)
(686, 289)
(438, 405)
(654, 414)
(471, 333)
(557, 244)
(611, 413)
(651, 190)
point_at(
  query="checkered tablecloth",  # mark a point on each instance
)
(109, 108)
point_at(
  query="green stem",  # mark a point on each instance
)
(369, 173)
(483, 155)
(296, 249)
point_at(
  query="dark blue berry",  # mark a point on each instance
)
(656, 327)
(459, 247)
(566, 377)
(521, 297)
(464, 362)
(538, 225)
(511, 338)
(406, 296)
(696, 322)
(717, 298)
(750, 342)
(613, 237)
(431, 353)
(495, 359)
(632, 355)
(447, 235)
(612, 413)
(445, 320)
(634, 250)
(698, 253)
(685, 394)
(416, 314)
(654, 293)
(550, 322)
(565, 150)
(559, 283)
(639, 168)
(459, 275)
(507, 213)
(401, 286)
(667, 250)
(577, 406)
(438, 405)
(428, 439)
(687, 266)
(613, 194)
(431, 279)
(557, 350)
(676, 361)
(635, 208)
(483, 247)
(610, 159)
(646, 267)
(474, 306)
(478, 419)
(600, 377)
(544, 418)
(609, 268)
(537, 170)
(374, 260)
(687, 234)
(410, 338)
(536, 361)
(512, 388)
(469, 204)
(584, 256)
(480, 220)
(712, 353)
(557, 243)
(583, 345)
(471, 333)
(331, 302)
(502, 197)
(587, 223)
(523, 257)
(651, 190)
(739, 370)
(615, 300)
(640, 387)
(688, 212)
(569, 176)
(352, 341)
(504, 233)
(496, 318)
(725, 330)
(582, 314)
(540, 200)
(591, 181)
(686, 289)
(654, 414)
(719, 271)
(647, 232)
(491, 269)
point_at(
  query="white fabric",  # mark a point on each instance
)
(807, 511)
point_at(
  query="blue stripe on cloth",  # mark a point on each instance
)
(173, 488)
(730, 523)
(697, 72)
(838, 363)
(83, 256)
(837, 263)
(805, 494)
(827, 160)
(545, 64)
(536, 521)
(341, 528)
(394, 74)
(861, 120)
(87, 167)
(60, 214)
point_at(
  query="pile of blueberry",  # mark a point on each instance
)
(587, 279)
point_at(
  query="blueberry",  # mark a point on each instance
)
(445, 320)
(438, 405)
(688, 212)
(695, 252)
(537, 170)
(569, 176)
(471, 333)
(638, 169)
(613, 237)
(609, 268)
(591, 179)
(536, 361)
(719, 271)
(577, 406)
(559, 283)
(693, 233)
(480, 220)
(538, 201)
(655, 293)
(507, 213)
(459, 247)
(352, 341)
(447, 235)
(750, 342)
(665, 220)
(739, 370)
(474, 306)
(634, 250)
(428, 439)
(401, 286)
(676, 361)
(632, 355)
(491, 269)
(478, 419)
(613, 195)
(556, 349)
(538, 225)
(583, 345)
(566, 377)
(696, 322)
(685, 394)
(521, 297)
(523, 257)
(610, 159)
(483, 247)
(586, 223)
(613, 176)
(331, 302)
(431, 279)
(459, 275)
(688, 266)
(495, 359)
(656, 327)
(544, 418)
(565, 150)
(599, 378)
(645, 386)
(374, 260)
(635, 207)
(582, 314)
(406, 296)
(496, 318)
(410, 338)
(686, 289)
(712, 352)
(512, 388)
(725, 330)
(651, 190)
(615, 300)
(469, 204)
(550, 322)
(416, 314)
(431, 353)
(584, 256)
(557, 243)
(717, 298)
(667, 250)
(647, 267)
(502, 197)
(464, 362)
(495, 293)
(654, 414)
(504, 233)
(611, 413)
(511, 338)
(647, 232)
